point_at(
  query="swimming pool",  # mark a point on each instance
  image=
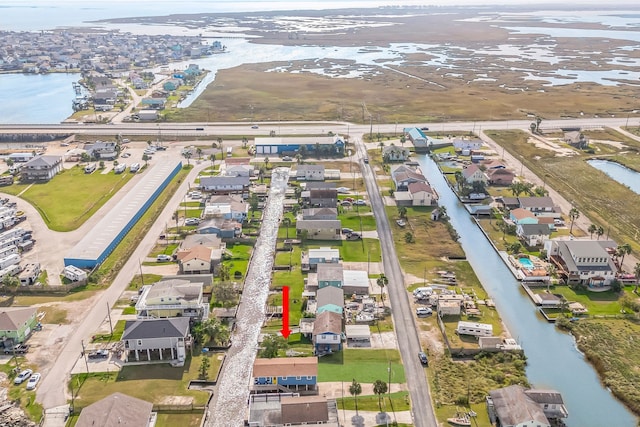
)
(526, 263)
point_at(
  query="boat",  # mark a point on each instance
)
(461, 419)
(401, 222)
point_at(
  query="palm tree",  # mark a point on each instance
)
(355, 389)
(551, 272)
(145, 158)
(402, 211)
(199, 152)
(381, 145)
(502, 226)
(299, 158)
(459, 180)
(592, 229)
(621, 251)
(599, 231)
(187, 155)
(212, 157)
(286, 221)
(380, 388)
(573, 215)
(382, 282)
(266, 162)
(244, 142)
(636, 272)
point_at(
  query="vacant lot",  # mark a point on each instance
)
(365, 365)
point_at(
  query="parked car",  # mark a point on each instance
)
(342, 190)
(347, 231)
(361, 202)
(99, 354)
(286, 159)
(17, 349)
(161, 148)
(163, 258)
(345, 203)
(423, 311)
(22, 376)
(192, 221)
(125, 155)
(33, 381)
(423, 358)
(354, 236)
(424, 128)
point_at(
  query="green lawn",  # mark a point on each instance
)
(399, 401)
(70, 198)
(365, 365)
(352, 220)
(118, 330)
(597, 303)
(166, 419)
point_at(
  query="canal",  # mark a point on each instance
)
(553, 360)
(618, 172)
(232, 392)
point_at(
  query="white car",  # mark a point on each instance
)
(342, 190)
(361, 202)
(33, 381)
(163, 258)
(423, 311)
(22, 376)
(191, 221)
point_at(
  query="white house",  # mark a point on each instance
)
(533, 234)
(474, 329)
(473, 173)
(172, 298)
(310, 172)
(196, 260)
(583, 261)
(422, 194)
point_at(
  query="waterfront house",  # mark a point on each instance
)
(319, 230)
(533, 234)
(474, 329)
(16, 324)
(508, 202)
(310, 173)
(223, 228)
(422, 194)
(41, 168)
(500, 176)
(197, 260)
(418, 138)
(330, 298)
(227, 206)
(320, 214)
(329, 274)
(538, 205)
(172, 298)
(156, 339)
(118, 410)
(586, 262)
(473, 173)
(460, 144)
(404, 175)
(522, 216)
(296, 374)
(313, 257)
(225, 184)
(515, 406)
(393, 153)
(172, 84)
(327, 332)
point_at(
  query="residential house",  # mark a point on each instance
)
(172, 298)
(16, 324)
(313, 257)
(585, 262)
(460, 144)
(292, 410)
(319, 230)
(515, 406)
(223, 228)
(355, 282)
(494, 164)
(330, 275)
(310, 172)
(156, 339)
(533, 234)
(41, 168)
(473, 173)
(118, 410)
(327, 332)
(318, 185)
(296, 374)
(228, 207)
(522, 216)
(403, 175)
(102, 150)
(225, 184)
(330, 298)
(393, 153)
(207, 240)
(500, 176)
(322, 214)
(330, 145)
(419, 139)
(325, 198)
(239, 170)
(197, 260)
(153, 103)
(540, 206)
(172, 84)
(422, 194)
(509, 202)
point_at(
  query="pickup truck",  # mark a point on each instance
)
(18, 349)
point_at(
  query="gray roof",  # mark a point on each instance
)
(331, 272)
(308, 214)
(330, 295)
(176, 288)
(310, 224)
(12, 318)
(302, 168)
(545, 396)
(514, 407)
(176, 327)
(535, 229)
(208, 240)
(116, 410)
(588, 248)
(536, 202)
(207, 181)
(48, 161)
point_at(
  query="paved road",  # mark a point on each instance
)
(52, 391)
(403, 318)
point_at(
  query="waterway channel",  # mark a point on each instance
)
(618, 172)
(232, 390)
(553, 360)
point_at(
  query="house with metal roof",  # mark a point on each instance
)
(225, 184)
(288, 409)
(586, 262)
(118, 410)
(355, 282)
(319, 230)
(310, 172)
(41, 168)
(313, 257)
(156, 339)
(330, 275)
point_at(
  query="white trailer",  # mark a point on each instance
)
(9, 250)
(474, 329)
(121, 167)
(10, 241)
(30, 274)
(16, 232)
(74, 273)
(9, 260)
(12, 270)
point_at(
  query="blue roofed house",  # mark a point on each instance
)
(172, 84)
(418, 138)
(154, 103)
(330, 298)
(522, 216)
(330, 275)
(290, 374)
(327, 332)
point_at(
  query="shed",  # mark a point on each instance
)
(358, 333)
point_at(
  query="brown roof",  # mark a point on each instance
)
(327, 321)
(116, 410)
(520, 213)
(304, 409)
(285, 367)
(415, 187)
(12, 318)
(196, 252)
(237, 161)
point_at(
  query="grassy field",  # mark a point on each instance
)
(365, 365)
(604, 201)
(609, 346)
(362, 250)
(398, 401)
(72, 197)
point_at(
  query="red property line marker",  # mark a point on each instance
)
(285, 331)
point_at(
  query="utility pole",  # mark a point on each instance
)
(84, 355)
(109, 316)
(370, 128)
(141, 275)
